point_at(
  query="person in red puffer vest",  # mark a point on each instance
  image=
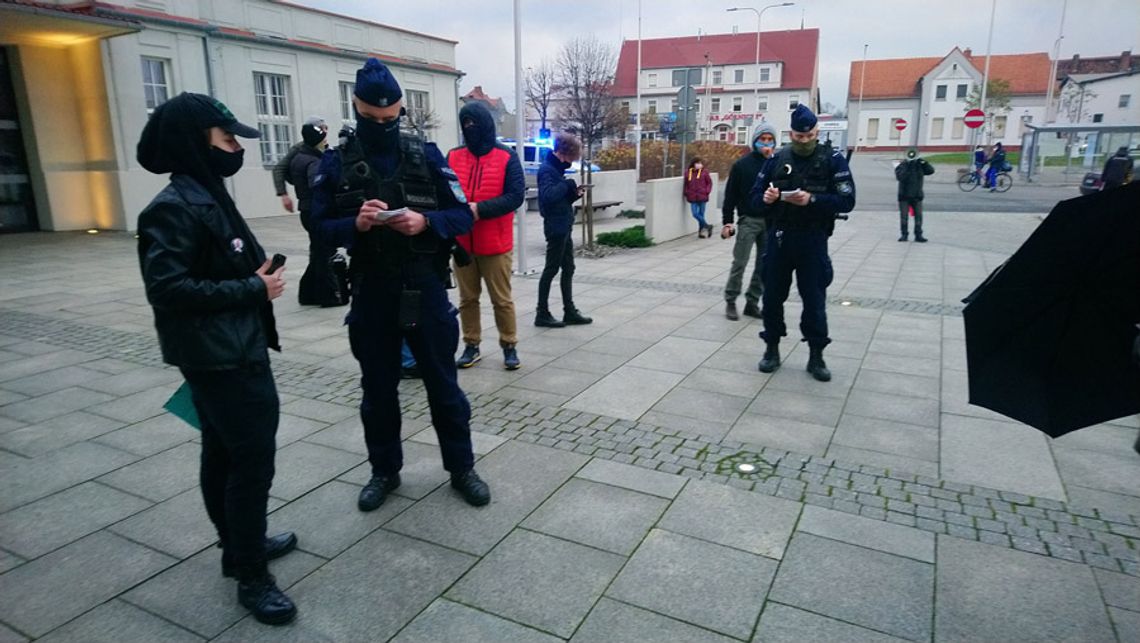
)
(492, 178)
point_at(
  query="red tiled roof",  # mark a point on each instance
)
(1098, 65)
(898, 77)
(479, 95)
(797, 49)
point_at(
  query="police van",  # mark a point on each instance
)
(535, 152)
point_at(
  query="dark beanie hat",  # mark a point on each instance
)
(376, 85)
(313, 131)
(803, 120)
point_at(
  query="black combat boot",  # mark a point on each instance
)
(258, 593)
(574, 317)
(376, 491)
(816, 366)
(752, 309)
(545, 319)
(471, 487)
(771, 360)
(275, 547)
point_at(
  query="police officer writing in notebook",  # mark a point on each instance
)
(800, 191)
(391, 199)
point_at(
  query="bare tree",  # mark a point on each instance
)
(1073, 99)
(540, 88)
(584, 75)
(423, 121)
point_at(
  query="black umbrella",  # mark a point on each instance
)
(1049, 334)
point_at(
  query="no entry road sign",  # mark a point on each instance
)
(900, 124)
(974, 118)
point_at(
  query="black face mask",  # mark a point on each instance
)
(381, 137)
(225, 163)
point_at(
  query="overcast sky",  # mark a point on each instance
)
(890, 28)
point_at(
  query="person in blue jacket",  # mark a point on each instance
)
(800, 190)
(391, 199)
(556, 197)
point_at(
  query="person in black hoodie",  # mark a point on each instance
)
(208, 283)
(910, 174)
(318, 286)
(750, 222)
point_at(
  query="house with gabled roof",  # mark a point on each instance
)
(930, 95)
(733, 93)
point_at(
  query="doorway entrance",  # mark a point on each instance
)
(17, 207)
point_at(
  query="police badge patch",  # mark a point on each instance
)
(844, 187)
(457, 190)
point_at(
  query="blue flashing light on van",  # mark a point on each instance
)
(535, 152)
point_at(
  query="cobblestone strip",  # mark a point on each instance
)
(875, 303)
(1039, 525)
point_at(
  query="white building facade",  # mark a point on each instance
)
(930, 95)
(1109, 98)
(84, 97)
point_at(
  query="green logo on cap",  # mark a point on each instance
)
(224, 110)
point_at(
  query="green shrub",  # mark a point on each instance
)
(628, 238)
(632, 214)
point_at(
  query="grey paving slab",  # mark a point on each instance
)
(993, 593)
(598, 515)
(896, 384)
(56, 433)
(291, 428)
(135, 380)
(48, 523)
(9, 560)
(195, 595)
(119, 622)
(793, 375)
(1127, 624)
(137, 406)
(733, 517)
(1085, 497)
(703, 405)
(8, 635)
(150, 436)
(302, 467)
(346, 435)
(17, 368)
(335, 605)
(801, 407)
(919, 366)
(543, 582)
(62, 402)
(561, 381)
(446, 620)
(43, 594)
(1119, 590)
(614, 621)
(690, 426)
(320, 411)
(888, 461)
(53, 380)
(999, 455)
(781, 432)
(715, 587)
(422, 474)
(627, 393)
(628, 476)
(521, 477)
(1115, 472)
(907, 410)
(481, 443)
(709, 378)
(872, 534)
(161, 476)
(178, 526)
(1106, 438)
(868, 588)
(35, 478)
(676, 355)
(784, 624)
(589, 361)
(907, 440)
(327, 521)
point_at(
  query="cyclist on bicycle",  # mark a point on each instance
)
(997, 164)
(979, 162)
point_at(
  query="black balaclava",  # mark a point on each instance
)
(478, 128)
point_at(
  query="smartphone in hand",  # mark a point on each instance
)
(388, 214)
(276, 263)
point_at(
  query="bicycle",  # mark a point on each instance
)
(971, 180)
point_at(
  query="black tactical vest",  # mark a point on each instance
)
(814, 175)
(411, 185)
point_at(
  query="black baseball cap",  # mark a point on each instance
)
(211, 112)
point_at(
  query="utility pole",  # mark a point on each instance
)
(859, 116)
(520, 135)
(637, 109)
(986, 73)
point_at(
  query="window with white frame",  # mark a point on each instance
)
(717, 77)
(738, 76)
(962, 89)
(936, 127)
(999, 126)
(741, 135)
(651, 106)
(715, 105)
(346, 112)
(271, 96)
(652, 82)
(418, 104)
(793, 101)
(940, 92)
(957, 128)
(895, 133)
(1125, 101)
(762, 103)
(737, 104)
(156, 83)
(765, 74)
(872, 129)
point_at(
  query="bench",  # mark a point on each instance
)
(597, 205)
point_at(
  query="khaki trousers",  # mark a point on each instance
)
(495, 271)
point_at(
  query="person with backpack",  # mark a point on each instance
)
(1117, 169)
(910, 174)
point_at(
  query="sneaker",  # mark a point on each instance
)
(469, 357)
(544, 319)
(730, 311)
(511, 358)
(471, 487)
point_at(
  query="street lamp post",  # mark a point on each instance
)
(759, 14)
(859, 115)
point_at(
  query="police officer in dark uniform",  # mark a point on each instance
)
(391, 199)
(800, 190)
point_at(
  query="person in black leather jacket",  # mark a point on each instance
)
(207, 280)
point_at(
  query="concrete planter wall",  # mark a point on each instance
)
(667, 214)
